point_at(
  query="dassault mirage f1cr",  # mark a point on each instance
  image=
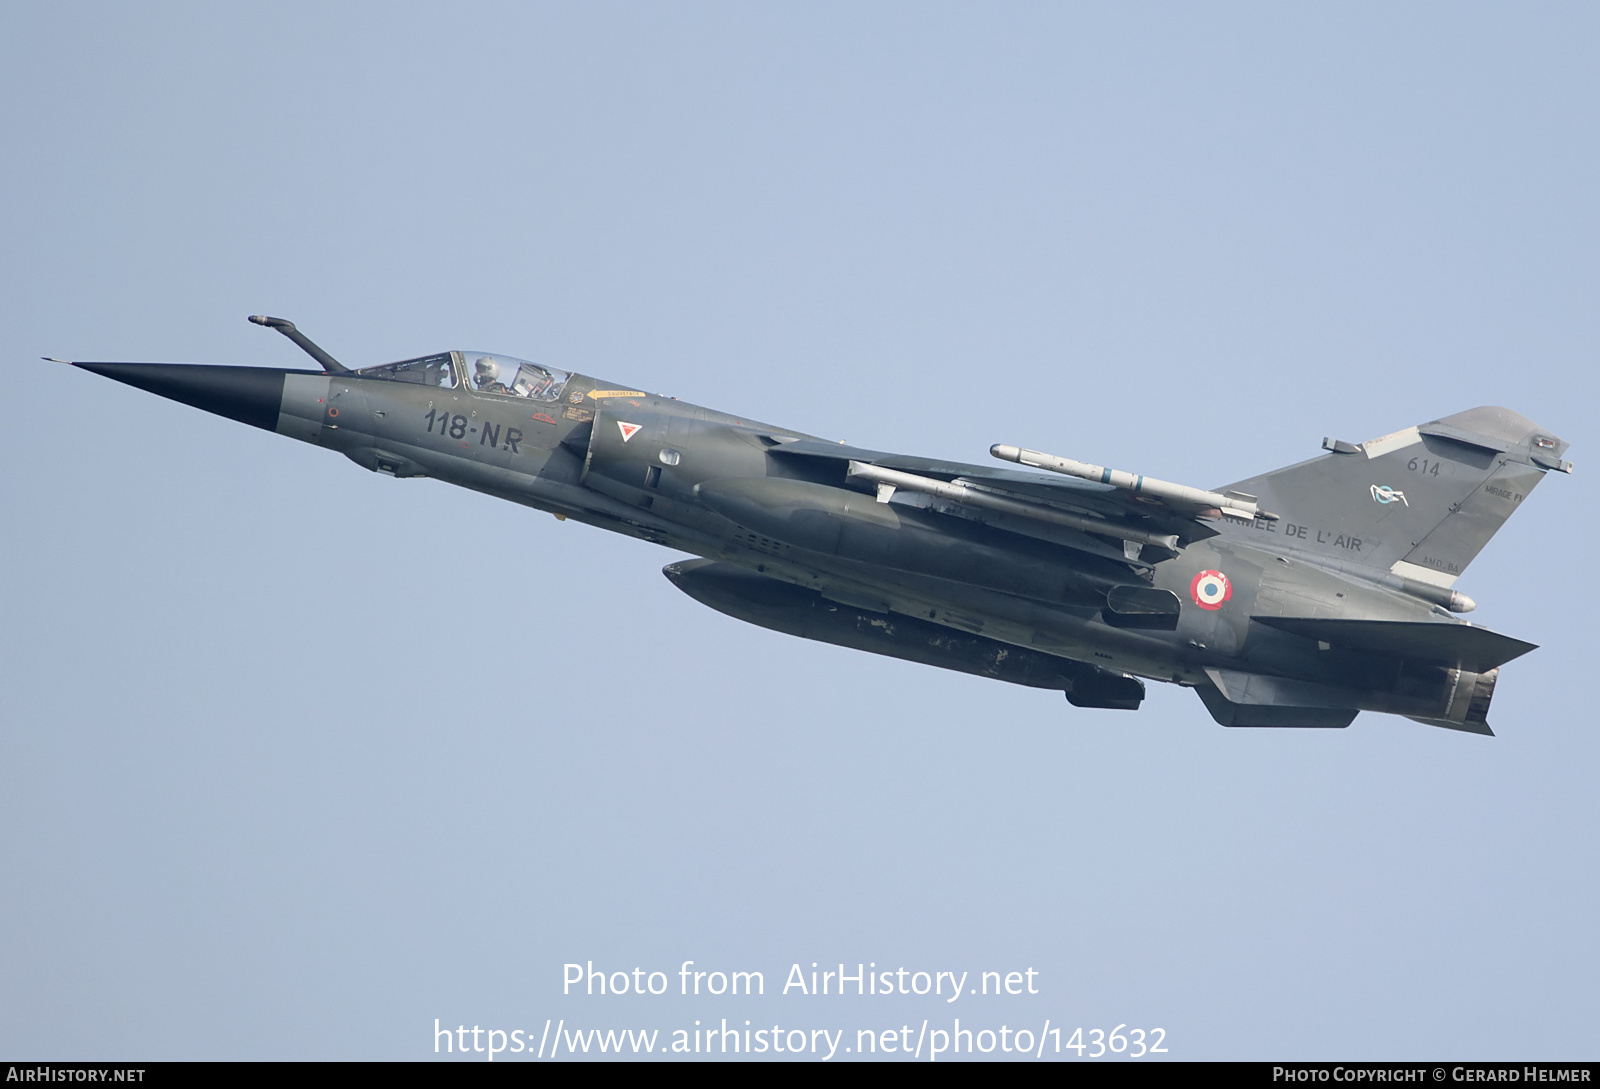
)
(1299, 597)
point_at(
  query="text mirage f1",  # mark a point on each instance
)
(1299, 597)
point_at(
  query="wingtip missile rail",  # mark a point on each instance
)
(1208, 504)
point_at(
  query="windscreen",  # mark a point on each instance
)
(430, 370)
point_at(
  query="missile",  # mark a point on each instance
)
(963, 493)
(1210, 504)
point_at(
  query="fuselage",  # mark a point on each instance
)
(1001, 587)
(604, 452)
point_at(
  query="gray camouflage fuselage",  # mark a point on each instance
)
(1331, 598)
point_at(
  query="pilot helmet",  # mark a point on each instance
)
(487, 370)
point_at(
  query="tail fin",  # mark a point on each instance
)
(1420, 503)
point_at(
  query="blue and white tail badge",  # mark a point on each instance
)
(1386, 496)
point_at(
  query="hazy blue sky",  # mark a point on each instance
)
(284, 777)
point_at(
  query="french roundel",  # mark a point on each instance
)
(1210, 589)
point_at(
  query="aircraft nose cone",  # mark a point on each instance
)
(251, 395)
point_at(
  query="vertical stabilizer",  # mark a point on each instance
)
(1420, 503)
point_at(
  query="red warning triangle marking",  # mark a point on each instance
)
(628, 430)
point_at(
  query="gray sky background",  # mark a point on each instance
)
(285, 776)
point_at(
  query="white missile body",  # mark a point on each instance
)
(1205, 503)
(890, 479)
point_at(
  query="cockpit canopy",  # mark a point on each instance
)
(482, 372)
(431, 370)
(488, 373)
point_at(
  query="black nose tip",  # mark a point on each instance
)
(251, 395)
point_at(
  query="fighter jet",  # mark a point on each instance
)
(1296, 598)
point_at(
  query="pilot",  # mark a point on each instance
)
(487, 376)
(539, 384)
